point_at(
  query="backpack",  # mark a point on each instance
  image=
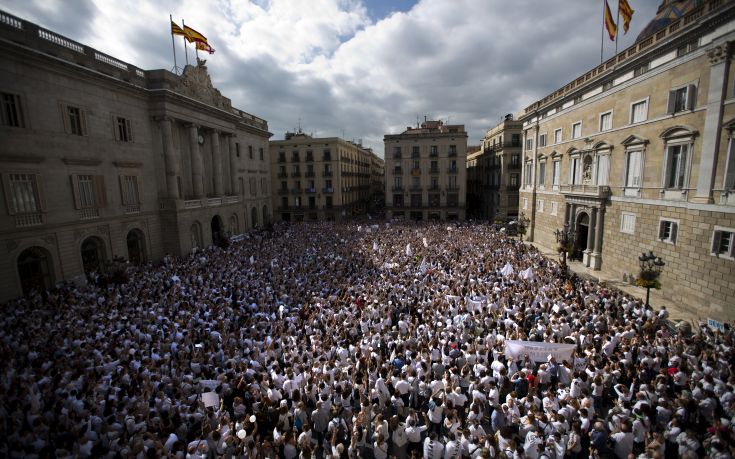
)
(341, 432)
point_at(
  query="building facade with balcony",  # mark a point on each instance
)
(638, 154)
(320, 178)
(499, 174)
(426, 172)
(101, 159)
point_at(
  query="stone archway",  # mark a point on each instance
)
(218, 230)
(234, 226)
(136, 246)
(35, 270)
(582, 230)
(93, 254)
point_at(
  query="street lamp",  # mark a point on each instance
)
(651, 267)
(565, 239)
(522, 225)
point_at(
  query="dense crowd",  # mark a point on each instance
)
(374, 341)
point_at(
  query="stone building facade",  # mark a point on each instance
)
(426, 172)
(637, 155)
(101, 159)
(320, 178)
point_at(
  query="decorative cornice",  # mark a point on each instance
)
(128, 164)
(719, 54)
(21, 159)
(81, 162)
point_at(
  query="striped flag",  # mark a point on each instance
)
(193, 36)
(612, 28)
(176, 30)
(204, 47)
(626, 12)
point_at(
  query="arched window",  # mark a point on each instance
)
(136, 246)
(93, 254)
(35, 270)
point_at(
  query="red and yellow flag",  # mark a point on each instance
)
(176, 30)
(612, 28)
(193, 36)
(626, 12)
(201, 46)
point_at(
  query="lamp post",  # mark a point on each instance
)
(651, 267)
(565, 239)
(522, 225)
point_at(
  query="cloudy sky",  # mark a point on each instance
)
(358, 69)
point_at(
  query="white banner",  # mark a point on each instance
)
(539, 352)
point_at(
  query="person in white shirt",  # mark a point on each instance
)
(433, 449)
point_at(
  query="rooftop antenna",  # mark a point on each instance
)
(299, 125)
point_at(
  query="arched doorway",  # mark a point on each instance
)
(234, 227)
(582, 229)
(93, 254)
(35, 270)
(217, 229)
(254, 217)
(136, 246)
(195, 235)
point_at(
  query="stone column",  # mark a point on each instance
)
(590, 237)
(217, 164)
(171, 158)
(233, 164)
(197, 163)
(596, 259)
(719, 59)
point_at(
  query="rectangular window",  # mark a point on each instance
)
(123, 129)
(542, 173)
(514, 180)
(527, 174)
(542, 140)
(452, 150)
(730, 166)
(515, 160)
(433, 150)
(723, 240)
(554, 207)
(633, 169)
(398, 182)
(23, 193)
(12, 110)
(556, 173)
(260, 152)
(129, 190)
(606, 121)
(75, 120)
(328, 155)
(682, 99)
(667, 231)
(89, 191)
(676, 164)
(577, 130)
(253, 187)
(627, 223)
(250, 151)
(639, 111)
(525, 203)
(397, 200)
(557, 136)
(540, 206)
(602, 169)
(515, 140)
(453, 182)
(575, 172)
(529, 144)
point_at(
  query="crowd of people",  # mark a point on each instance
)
(340, 340)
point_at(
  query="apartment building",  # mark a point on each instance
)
(321, 178)
(426, 172)
(101, 159)
(638, 155)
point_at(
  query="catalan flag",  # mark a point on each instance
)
(176, 30)
(204, 47)
(626, 12)
(612, 28)
(193, 36)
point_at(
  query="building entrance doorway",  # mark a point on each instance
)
(582, 230)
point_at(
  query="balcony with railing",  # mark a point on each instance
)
(26, 220)
(398, 188)
(452, 170)
(434, 170)
(296, 191)
(310, 190)
(282, 175)
(327, 174)
(328, 190)
(594, 191)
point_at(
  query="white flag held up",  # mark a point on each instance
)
(426, 244)
(507, 270)
(423, 266)
(527, 273)
(375, 246)
(409, 252)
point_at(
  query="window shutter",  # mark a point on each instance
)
(123, 194)
(661, 229)
(8, 191)
(83, 116)
(674, 228)
(129, 129)
(75, 191)
(672, 102)
(716, 241)
(691, 96)
(100, 194)
(40, 194)
(730, 172)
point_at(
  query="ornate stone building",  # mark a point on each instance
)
(426, 172)
(321, 178)
(102, 159)
(638, 154)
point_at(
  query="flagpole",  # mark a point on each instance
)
(602, 35)
(173, 46)
(617, 25)
(186, 50)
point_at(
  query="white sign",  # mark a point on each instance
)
(715, 325)
(210, 399)
(539, 352)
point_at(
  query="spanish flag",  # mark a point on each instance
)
(176, 30)
(612, 28)
(201, 46)
(193, 36)
(626, 12)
